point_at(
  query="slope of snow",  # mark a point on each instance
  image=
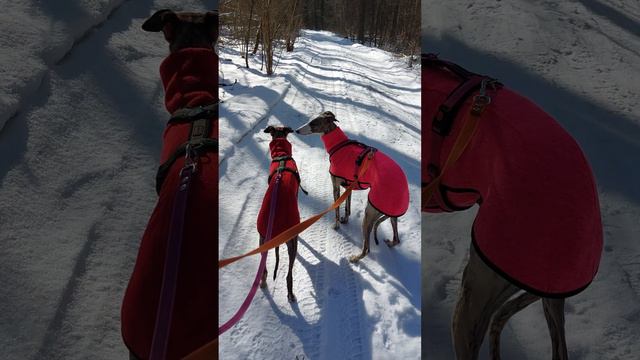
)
(36, 35)
(579, 60)
(77, 173)
(344, 311)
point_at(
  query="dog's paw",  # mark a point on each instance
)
(336, 226)
(344, 219)
(355, 258)
(391, 243)
(292, 298)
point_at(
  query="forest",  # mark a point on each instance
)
(270, 26)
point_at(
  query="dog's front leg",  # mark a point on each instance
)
(482, 292)
(347, 210)
(336, 194)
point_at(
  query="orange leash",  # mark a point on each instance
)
(462, 141)
(293, 231)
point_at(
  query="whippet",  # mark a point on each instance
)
(389, 194)
(286, 212)
(190, 76)
(538, 225)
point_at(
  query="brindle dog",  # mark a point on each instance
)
(324, 124)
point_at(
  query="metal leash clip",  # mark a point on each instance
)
(481, 100)
(190, 159)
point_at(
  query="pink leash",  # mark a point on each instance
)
(263, 264)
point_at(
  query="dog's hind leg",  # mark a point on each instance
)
(375, 227)
(396, 238)
(503, 315)
(292, 247)
(482, 292)
(554, 313)
(263, 282)
(370, 217)
(335, 181)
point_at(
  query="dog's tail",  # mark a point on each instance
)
(504, 313)
(375, 228)
(275, 270)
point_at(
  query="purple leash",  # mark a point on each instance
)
(160, 340)
(263, 263)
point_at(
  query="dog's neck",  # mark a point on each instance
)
(330, 127)
(190, 78)
(280, 147)
(333, 138)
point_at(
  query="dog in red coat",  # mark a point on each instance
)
(538, 226)
(286, 212)
(190, 78)
(389, 189)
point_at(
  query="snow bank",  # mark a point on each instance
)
(37, 34)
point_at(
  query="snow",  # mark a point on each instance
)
(357, 311)
(580, 61)
(37, 34)
(77, 169)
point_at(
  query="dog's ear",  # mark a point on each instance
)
(330, 115)
(269, 129)
(211, 24)
(287, 130)
(162, 20)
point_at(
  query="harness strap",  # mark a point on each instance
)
(282, 167)
(443, 121)
(199, 142)
(190, 114)
(335, 149)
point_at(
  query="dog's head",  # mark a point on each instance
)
(321, 124)
(185, 29)
(278, 132)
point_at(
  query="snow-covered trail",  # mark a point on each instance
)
(77, 187)
(580, 60)
(344, 311)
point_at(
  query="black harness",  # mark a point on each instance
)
(282, 166)
(199, 141)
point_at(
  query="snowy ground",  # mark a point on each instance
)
(580, 60)
(344, 311)
(77, 169)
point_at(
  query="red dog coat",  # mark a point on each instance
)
(190, 79)
(287, 214)
(389, 192)
(539, 219)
